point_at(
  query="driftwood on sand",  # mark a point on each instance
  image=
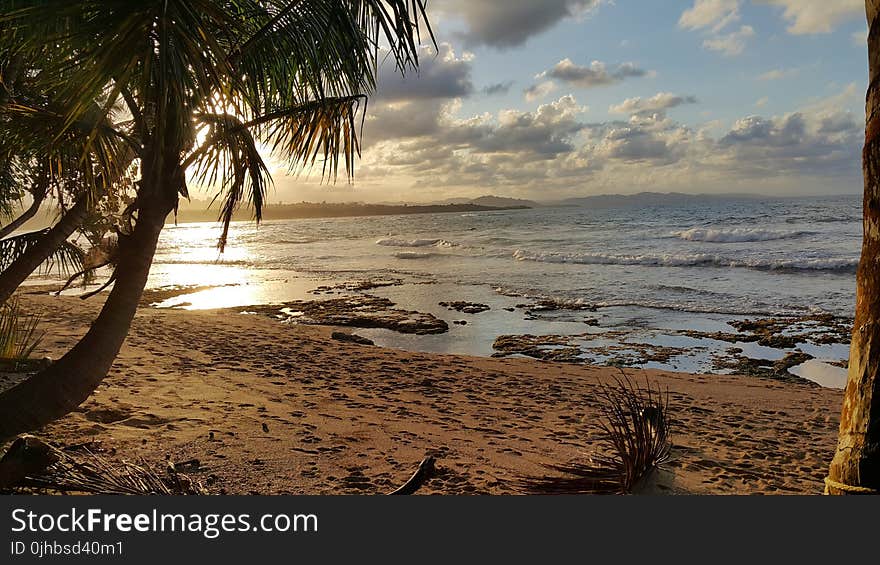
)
(415, 482)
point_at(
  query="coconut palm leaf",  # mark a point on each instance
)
(257, 58)
(66, 259)
(88, 156)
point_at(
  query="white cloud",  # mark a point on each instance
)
(509, 23)
(817, 16)
(779, 74)
(551, 151)
(658, 103)
(714, 18)
(710, 14)
(441, 74)
(730, 44)
(539, 91)
(597, 74)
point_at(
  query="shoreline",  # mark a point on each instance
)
(349, 418)
(479, 320)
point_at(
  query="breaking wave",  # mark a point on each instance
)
(391, 242)
(695, 260)
(735, 235)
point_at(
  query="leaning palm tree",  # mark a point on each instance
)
(206, 82)
(855, 468)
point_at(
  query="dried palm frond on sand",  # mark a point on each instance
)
(31, 465)
(635, 443)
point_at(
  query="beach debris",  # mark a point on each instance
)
(414, 483)
(48, 469)
(465, 307)
(634, 445)
(265, 427)
(460, 322)
(359, 311)
(26, 456)
(189, 464)
(352, 338)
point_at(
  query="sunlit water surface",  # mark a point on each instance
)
(651, 271)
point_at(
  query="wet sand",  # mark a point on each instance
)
(275, 408)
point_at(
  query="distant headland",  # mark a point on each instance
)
(200, 211)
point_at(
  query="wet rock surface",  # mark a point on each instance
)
(784, 332)
(550, 305)
(465, 307)
(359, 311)
(352, 338)
(155, 296)
(739, 364)
(356, 286)
(576, 349)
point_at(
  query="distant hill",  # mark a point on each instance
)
(651, 199)
(198, 211)
(502, 202)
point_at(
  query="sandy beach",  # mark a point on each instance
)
(275, 408)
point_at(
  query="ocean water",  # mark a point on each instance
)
(655, 270)
(764, 257)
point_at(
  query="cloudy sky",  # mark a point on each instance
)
(550, 99)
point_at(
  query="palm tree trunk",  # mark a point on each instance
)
(39, 195)
(21, 268)
(57, 390)
(855, 468)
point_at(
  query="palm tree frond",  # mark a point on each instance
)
(232, 159)
(66, 259)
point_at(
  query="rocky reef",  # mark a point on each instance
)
(357, 311)
(577, 349)
(739, 364)
(465, 307)
(784, 332)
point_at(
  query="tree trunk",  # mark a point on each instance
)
(21, 268)
(856, 465)
(57, 390)
(39, 195)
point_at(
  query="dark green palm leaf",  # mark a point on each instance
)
(67, 258)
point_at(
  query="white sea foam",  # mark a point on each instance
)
(392, 242)
(735, 235)
(693, 260)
